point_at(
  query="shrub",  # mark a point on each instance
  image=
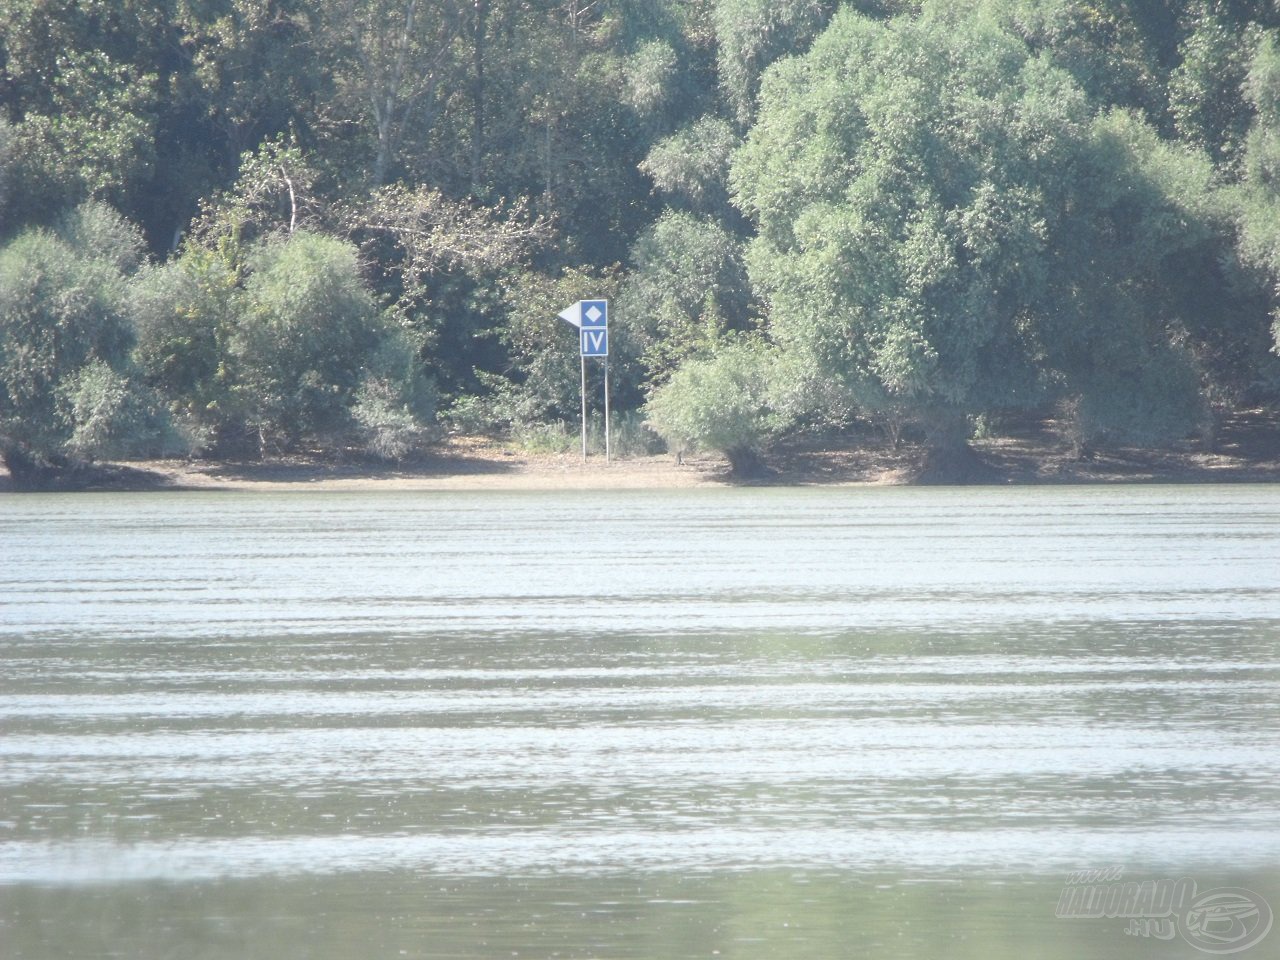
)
(722, 402)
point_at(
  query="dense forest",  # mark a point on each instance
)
(238, 228)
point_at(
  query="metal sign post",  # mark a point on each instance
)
(591, 317)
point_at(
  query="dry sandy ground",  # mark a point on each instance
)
(448, 469)
(1247, 449)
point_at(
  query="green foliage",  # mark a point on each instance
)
(950, 208)
(274, 192)
(555, 437)
(651, 73)
(754, 33)
(723, 402)
(184, 314)
(1205, 91)
(59, 313)
(306, 327)
(110, 417)
(691, 167)
(386, 419)
(542, 380)
(96, 231)
(395, 404)
(900, 215)
(687, 287)
(95, 140)
(257, 68)
(295, 352)
(1259, 194)
(1101, 43)
(395, 53)
(944, 227)
(7, 147)
(1167, 307)
(629, 435)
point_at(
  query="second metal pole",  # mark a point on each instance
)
(584, 407)
(606, 410)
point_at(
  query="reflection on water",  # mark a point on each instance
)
(761, 722)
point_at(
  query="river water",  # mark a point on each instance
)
(754, 723)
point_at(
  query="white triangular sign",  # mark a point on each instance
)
(573, 314)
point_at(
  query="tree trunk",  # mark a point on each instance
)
(478, 95)
(745, 463)
(948, 458)
(26, 470)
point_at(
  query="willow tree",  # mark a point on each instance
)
(1260, 190)
(67, 387)
(947, 226)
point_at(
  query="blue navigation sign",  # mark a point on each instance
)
(591, 317)
(595, 341)
(587, 313)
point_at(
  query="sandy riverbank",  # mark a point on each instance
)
(446, 469)
(1247, 449)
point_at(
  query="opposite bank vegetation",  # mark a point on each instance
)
(252, 227)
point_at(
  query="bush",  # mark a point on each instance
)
(111, 417)
(723, 402)
(305, 328)
(546, 438)
(97, 232)
(631, 436)
(183, 316)
(59, 312)
(388, 423)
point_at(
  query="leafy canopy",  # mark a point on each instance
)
(944, 222)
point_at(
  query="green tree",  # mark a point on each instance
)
(1206, 90)
(754, 33)
(110, 417)
(184, 314)
(395, 403)
(257, 69)
(688, 285)
(305, 330)
(95, 138)
(1163, 315)
(274, 192)
(6, 162)
(691, 167)
(945, 228)
(65, 376)
(1259, 193)
(1111, 48)
(899, 229)
(726, 401)
(96, 231)
(398, 60)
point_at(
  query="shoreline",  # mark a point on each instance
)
(508, 471)
(1247, 451)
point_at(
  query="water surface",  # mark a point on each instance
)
(768, 723)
